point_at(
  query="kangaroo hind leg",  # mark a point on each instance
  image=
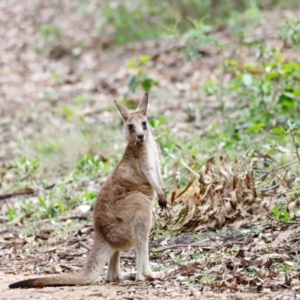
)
(100, 254)
(113, 273)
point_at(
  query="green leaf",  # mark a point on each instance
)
(147, 83)
(81, 98)
(247, 79)
(296, 92)
(276, 212)
(42, 202)
(286, 216)
(133, 83)
(145, 58)
(132, 64)
(68, 112)
(256, 127)
(291, 125)
(277, 130)
(293, 65)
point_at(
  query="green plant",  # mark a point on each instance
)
(197, 38)
(12, 213)
(251, 271)
(27, 167)
(205, 280)
(280, 214)
(90, 196)
(91, 165)
(81, 98)
(86, 8)
(142, 20)
(49, 36)
(56, 77)
(141, 78)
(249, 18)
(269, 93)
(290, 33)
(294, 131)
(127, 22)
(48, 147)
(50, 210)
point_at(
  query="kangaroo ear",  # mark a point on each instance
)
(123, 110)
(143, 106)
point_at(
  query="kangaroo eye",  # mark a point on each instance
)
(144, 123)
(130, 126)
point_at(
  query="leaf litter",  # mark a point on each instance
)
(249, 253)
(231, 193)
(219, 237)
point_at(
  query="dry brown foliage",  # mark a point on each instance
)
(232, 193)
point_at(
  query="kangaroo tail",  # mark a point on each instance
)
(98, 257)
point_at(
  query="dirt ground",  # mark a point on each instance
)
(91, 292)
(127, 291)
(100, 291)
(27, 83)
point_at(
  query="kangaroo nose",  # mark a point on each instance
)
(140, 137)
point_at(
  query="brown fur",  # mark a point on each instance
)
(122, 212)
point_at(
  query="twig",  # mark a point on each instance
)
(286, 165)
(60, 219)
(184, 190)
(295, 240)
(180, 246)
(129, 283)
(268, 188)
(82, 244)
(197, 122)
(75, 217)
(281, 221)
(294, 141)
(26, 175)
(265, 173)
(191, 170)
(10, 195)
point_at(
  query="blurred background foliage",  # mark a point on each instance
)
(135, 20)
(220, 86)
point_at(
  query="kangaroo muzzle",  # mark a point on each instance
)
(141, 137)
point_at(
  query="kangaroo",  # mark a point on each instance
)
(123, 209)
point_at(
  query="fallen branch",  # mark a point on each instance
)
(184, 190)
(18, 193)
(181, 246)
(82, 244)
(285, 165)
(295, 144)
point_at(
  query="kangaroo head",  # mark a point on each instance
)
(135, 123)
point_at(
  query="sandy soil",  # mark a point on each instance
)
(92, 292)
(124, 291)
(105, 291)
